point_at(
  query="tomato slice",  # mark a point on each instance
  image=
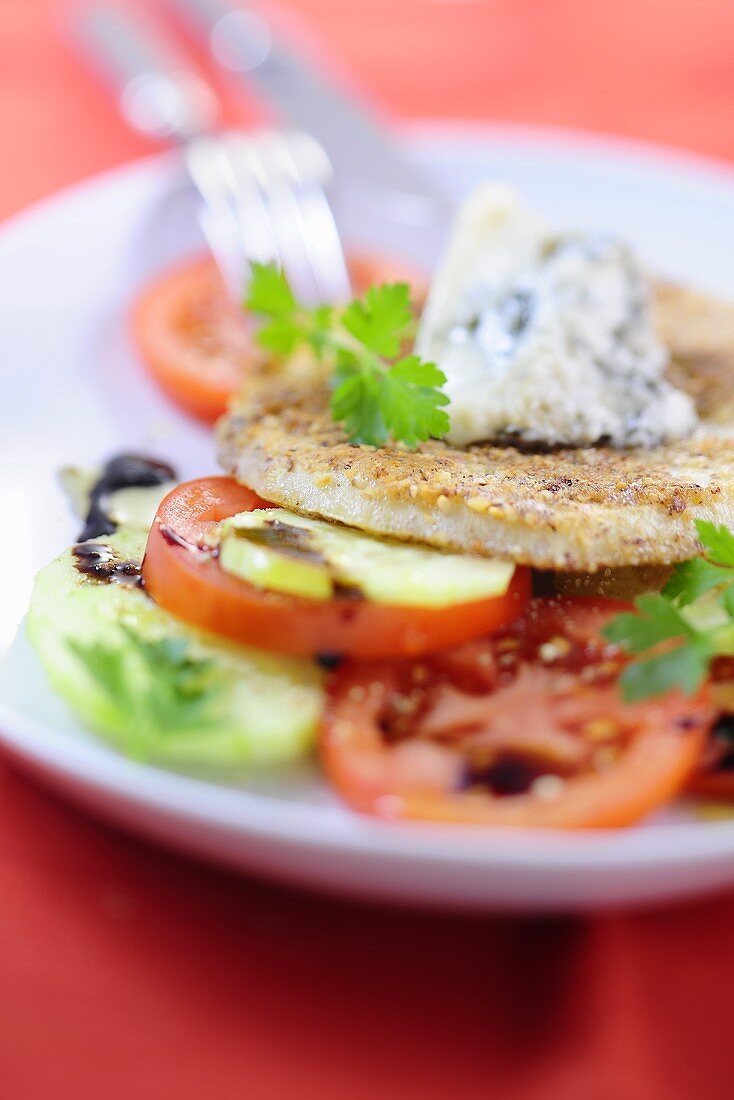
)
(184, 577)
(714, 776)
(197, 343)
(526, 728)
(194, 341)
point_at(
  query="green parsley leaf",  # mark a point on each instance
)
(375, 397)
(656, 621)
(691, 579)
(381, 319)
(684, 613)
(280, 335)
(412, 400)
(357, 401)
(268, 292)
(183, 687)
(320, 332)
(718, 542)
(684, 667)
(727, 601)
(158, 682)
(402, 401)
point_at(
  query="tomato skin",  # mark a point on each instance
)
(191, 509)
(194, 341)
(197, 343)
(368, 270)
(419, 779)
(194, 587)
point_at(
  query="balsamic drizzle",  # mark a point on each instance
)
(174, 539)
(329, 660)
(99, 561)
(723, 737)
(285, 538)
(298, 543)
(123, 471)
(509, 775)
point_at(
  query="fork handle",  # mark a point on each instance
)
(158, 91)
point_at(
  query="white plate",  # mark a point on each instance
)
(73, 392)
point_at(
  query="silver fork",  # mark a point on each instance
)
(262, 195)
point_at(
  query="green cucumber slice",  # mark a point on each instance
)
(158, 688)
(275, 555)
(286, 552)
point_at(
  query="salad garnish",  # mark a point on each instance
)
(378, 394)
(684, 628)
(169, 689)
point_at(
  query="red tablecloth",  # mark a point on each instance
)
(130, 974)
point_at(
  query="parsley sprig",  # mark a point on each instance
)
(378, 394)
(157, 685)
(676, 634)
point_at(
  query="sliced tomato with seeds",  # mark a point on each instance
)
(526, 728)
(198, 343)
(183, 575)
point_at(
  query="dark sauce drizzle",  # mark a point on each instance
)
(98, 561)
(723, 737)
(294, 542)
(297, 543)
(329, 660)
(509, 775)
(174, 539)
(123, 471)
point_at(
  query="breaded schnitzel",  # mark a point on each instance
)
(571, 510)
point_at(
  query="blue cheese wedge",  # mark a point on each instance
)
(547, 338)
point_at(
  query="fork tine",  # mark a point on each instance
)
(318, 228)
(263, 200)
(323, 246)
(246, 199)
(233, 217)
(253, 159)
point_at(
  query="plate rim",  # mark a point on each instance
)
(422, 133)
(194, 799)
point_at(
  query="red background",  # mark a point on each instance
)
(126, 972)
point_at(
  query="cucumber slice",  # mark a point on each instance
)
(158, 688)
(308, 557)
(269, 556)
